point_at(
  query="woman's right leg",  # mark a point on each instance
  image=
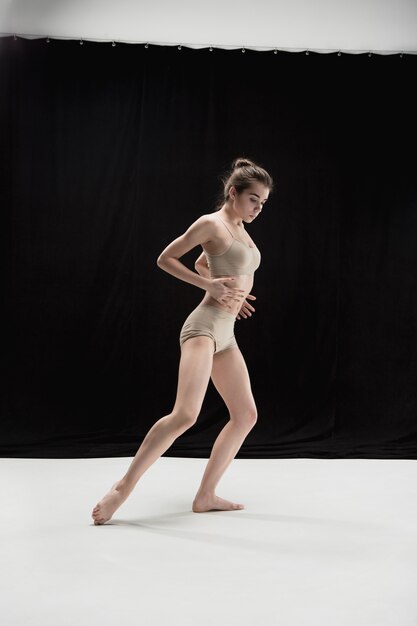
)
(194, 374)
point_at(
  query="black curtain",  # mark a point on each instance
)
(110, 152)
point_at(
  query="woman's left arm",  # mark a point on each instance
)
(246, 308)
(202, 268)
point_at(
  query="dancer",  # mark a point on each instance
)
(224, 270)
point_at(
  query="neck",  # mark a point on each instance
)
(231, 215)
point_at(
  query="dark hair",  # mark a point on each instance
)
(241, 175)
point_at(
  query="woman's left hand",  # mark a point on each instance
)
(246, 308)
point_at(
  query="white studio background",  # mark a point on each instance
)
(380, 26)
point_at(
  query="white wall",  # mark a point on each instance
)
(382, 26)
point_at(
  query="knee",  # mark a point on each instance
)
(252, 417)
(184, 418)
(247, 418)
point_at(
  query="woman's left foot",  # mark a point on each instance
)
(214, 503)
(104, 510)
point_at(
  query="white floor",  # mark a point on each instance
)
(326, 542)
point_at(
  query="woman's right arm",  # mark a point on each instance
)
(201, 266)
(199, 232)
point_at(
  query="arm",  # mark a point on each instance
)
(201, 266)
(198, 233)
(246, 308)
(168, 260)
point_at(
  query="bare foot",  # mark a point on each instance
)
(214, 503)
(104, 510)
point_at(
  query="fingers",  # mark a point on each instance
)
(224, 281)
(251, 297)
(246, 309)
(229, 296)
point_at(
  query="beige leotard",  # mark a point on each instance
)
(237, 260)
(212, 321)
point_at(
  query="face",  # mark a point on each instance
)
(249, 203)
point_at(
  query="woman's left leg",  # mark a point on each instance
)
(231, 379)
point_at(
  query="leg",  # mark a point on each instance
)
(194, 375)
(229, 374)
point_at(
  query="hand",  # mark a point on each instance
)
(246, 309)
(223, 293)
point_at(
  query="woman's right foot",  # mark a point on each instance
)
(104, 510)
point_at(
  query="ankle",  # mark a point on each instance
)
(125, 487)
(205, 493)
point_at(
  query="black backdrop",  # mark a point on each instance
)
(109, 152)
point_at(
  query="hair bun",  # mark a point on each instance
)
(242, 162)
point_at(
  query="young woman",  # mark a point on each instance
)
(225, 272)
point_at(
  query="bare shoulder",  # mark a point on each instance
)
(206, 225)
(207, 220)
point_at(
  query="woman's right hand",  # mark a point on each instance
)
(223, 293)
